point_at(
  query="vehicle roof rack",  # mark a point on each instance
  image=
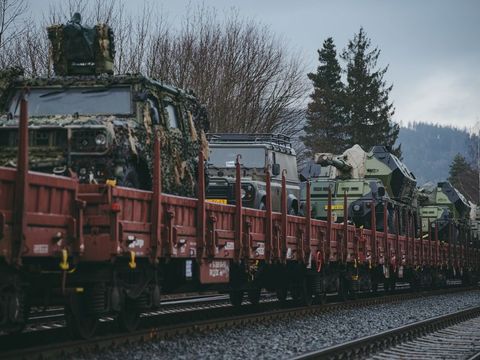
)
(277, 139)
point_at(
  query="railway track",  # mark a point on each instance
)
(50, 318)
(53, 317)
(54, 343)
(452, 336)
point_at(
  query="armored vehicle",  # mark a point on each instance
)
(258, 152)
(360, 193)
(377, 175)
(378, 163)
(445, 208)
(97, 126)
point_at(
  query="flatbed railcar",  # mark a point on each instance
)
(102, 249)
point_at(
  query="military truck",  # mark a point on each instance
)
(87, 122)
(259, 152)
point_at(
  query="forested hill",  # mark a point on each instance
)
(428, 150)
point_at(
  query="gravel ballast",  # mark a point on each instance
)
(288, 338)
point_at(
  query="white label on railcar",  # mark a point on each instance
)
(137, 243)
(40, 249)
(188, 269)
(260, 251)
(218, 268)
(229, 245)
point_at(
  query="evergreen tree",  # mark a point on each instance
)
(368, 106)
(325, 129)
(464, 178)
(458, 167)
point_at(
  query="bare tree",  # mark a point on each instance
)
(238, 68)
(10, 13)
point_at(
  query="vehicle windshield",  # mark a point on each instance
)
(68, 101)
(225, 157)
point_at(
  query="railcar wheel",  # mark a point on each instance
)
(16, 311)
(320, 298)
(81, 322)
(129, 316)
(254, 295)
(343, 290)
(282, 294)
(307, 293)
(353, 292)
(236, 297)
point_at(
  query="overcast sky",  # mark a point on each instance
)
(432, 47)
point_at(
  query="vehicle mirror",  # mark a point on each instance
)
(381, 191)
(276, 169)
(154, 116)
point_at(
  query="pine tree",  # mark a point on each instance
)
(368, 106)
(464, 177)
(325, 129)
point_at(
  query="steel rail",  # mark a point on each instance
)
(204, 320)
(369, 345)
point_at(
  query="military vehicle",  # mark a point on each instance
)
(100, 127)
(360, 195)
(259, 152)
(377, 175)
(445, 208)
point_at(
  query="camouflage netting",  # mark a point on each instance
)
(130, 136)
(80, 50)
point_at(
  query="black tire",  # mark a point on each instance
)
(292, 211)
(136, 177)
(130, 178)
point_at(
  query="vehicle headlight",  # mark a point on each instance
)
(89, 140)
(100, 139)
(356, 207)
(248, 192)
(243, 193)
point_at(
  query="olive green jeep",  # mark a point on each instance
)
(258, 152)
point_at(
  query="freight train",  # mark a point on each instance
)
(102, 249)
(101, 243)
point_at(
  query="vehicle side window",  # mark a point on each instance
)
(172, 114)
(287, 162)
